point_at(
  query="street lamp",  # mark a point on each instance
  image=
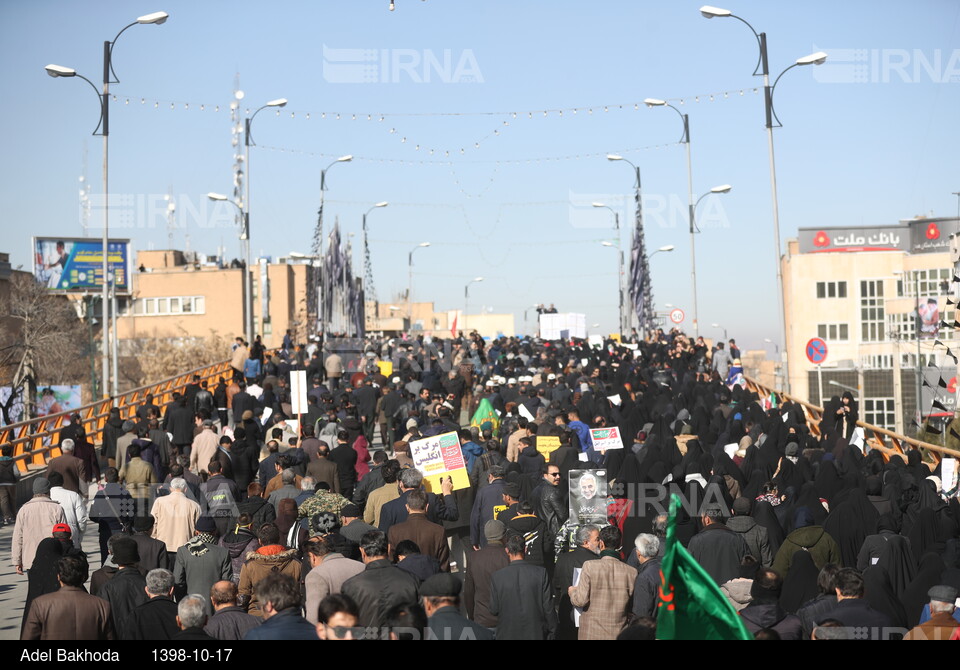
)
(763, 67)
(244, 228)
(665, 249)
(717, 325)
(410, 282)
(466, 295)
(645, 300)
(685, 139)
(245, 212)
(316, 286)
(155, 18)
(622, 327)
(369, 289)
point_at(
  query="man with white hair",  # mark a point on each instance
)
(176, 517)
(72, 468)
(191, 618)
(941, 625)
(648, 575)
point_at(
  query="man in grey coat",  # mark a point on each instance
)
(753, 534)
(200, 562)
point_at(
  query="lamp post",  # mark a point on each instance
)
(616, 220)
(717, 325)
(156, 18)
(245, 212)
(369, 289)
(645, 300)
(410, 282)
(244, 228)
(466, 295)
(685, 139)
(762, 65)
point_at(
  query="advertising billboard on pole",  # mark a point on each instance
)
(75, 265)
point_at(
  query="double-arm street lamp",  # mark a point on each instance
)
(156, 18)
(762, 68)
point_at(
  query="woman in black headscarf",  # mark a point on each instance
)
(923, 534)
(764, 516)
(916, 594)
(800, 584)
(879, 593)
(828, 483)
(849, 523)
(43, 575)
(897, 559)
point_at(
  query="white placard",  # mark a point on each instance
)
(298, 392)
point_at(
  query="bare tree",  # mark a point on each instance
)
(41, 338)
(158, 358)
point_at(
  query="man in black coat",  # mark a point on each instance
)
(155, 619)
(587, 549)
(179, 423)
(441, 603)
(346, 459)
(716, 548)
(548, 502)
(153, 552)
(488, 499)
(125, 590)
(646, 587)
(381, 586)
(853, 610)
(365, 398)
(520, 598)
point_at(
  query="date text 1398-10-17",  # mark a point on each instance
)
(197, 655)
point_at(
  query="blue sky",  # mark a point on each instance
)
(869, 138)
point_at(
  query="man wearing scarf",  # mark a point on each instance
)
(201, 563)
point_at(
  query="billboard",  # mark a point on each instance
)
(916, 236)
(74, 264)
(50, 400)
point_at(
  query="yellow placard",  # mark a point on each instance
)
(547, 444)
(386, 368)
(461, 480)
(614, 336)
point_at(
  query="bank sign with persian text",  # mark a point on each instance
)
(916, 236)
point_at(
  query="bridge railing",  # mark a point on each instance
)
(35, 441)
(881, 439)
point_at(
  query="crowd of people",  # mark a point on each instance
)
(223, 515)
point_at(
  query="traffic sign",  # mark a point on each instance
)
(816, 351)
(676, 315)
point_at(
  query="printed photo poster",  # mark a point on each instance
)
(437, 457)
(588, 496)
(606, 438)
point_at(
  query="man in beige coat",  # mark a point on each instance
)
(176, 517)
(604, 590)
(204, 447)
(34, 523)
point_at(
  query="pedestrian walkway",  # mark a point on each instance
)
(13, 587)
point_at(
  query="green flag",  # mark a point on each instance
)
(485, 414)
(691, 605)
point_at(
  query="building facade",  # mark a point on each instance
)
(883, 298)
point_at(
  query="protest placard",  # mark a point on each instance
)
(606, 438)
(438, 457)
(547, 444)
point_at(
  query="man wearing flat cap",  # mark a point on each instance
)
(441, 602)
(941, 624)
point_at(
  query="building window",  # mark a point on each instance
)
(877, 362)
(166, 306)
(831, 289)
(880, 412)
(833, 332)
(872, 321)
(932, 283)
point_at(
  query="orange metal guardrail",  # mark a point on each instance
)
(35, 441)
(875, 436)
